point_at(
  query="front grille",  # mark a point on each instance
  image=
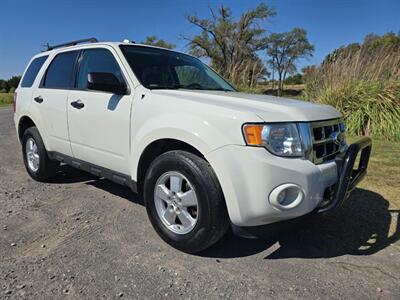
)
(328, 139)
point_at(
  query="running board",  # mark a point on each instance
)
(98, 171)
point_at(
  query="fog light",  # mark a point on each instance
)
(281, 197)
(286, 196)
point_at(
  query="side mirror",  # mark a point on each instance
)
(106, 82)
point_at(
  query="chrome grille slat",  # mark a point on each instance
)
(323, 141)
(325, 146)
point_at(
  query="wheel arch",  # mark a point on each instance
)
(156, 148)
(23, 124)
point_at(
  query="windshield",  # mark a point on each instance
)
(163, 69)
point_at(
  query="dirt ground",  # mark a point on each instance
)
(83, 237)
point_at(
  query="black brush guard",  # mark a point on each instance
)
(348, 177)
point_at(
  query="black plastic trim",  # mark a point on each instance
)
(98, 171)
(348, 177)
(72, 43)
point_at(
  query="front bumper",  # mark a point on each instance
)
(248, 175)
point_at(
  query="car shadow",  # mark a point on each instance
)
(68, 174)
(364, 225)
(117, 190)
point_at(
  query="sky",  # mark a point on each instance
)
(26, 25)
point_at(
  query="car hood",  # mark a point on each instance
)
(268, 108)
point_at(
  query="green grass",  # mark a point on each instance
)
(369, 220)
(384, 171)
(6, 99)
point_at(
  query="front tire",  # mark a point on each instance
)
(36, 159)
(184, 201)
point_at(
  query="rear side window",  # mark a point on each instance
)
(60, 72)
(32, 71)
(97, 60)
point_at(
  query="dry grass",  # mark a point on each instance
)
(6, 99)
(365, 87)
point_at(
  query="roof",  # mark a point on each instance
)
(112, 44)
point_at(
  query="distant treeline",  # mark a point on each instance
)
(9, 86)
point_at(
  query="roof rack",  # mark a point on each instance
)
(72, 43)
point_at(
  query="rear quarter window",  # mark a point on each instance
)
(32, 71)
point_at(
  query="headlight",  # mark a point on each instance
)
(282, 139)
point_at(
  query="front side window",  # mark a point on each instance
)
(60, 72)
(163, 69)
(32, 71)
(97, 61)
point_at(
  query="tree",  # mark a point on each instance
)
(3, 86)
(373, 45)
(285, 49)
(294, 79)
(155, 41)
(13, 82)
(232, 45)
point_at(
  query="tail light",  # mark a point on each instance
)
(15, 102)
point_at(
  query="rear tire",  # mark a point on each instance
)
(205, 208)
(37, 162)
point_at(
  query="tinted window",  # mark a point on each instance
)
(97, 60)
(60, 72)
(163, 69)
(32, 71)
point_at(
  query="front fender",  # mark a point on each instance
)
(198, 133)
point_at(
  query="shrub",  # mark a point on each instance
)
(6, 98)
(364, 85)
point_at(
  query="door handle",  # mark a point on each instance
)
(78, 104)
(38, 99)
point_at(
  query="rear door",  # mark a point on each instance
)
(100, 128)
(50, 101)
(25, 88)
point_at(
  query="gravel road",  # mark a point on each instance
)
(83, 237)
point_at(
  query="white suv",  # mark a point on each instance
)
(163, 123)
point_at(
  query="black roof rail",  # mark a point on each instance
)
(72, 43)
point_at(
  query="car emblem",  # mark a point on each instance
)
(336, 137)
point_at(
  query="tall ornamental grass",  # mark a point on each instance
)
(364, 86)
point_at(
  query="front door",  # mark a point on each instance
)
(99, 126)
